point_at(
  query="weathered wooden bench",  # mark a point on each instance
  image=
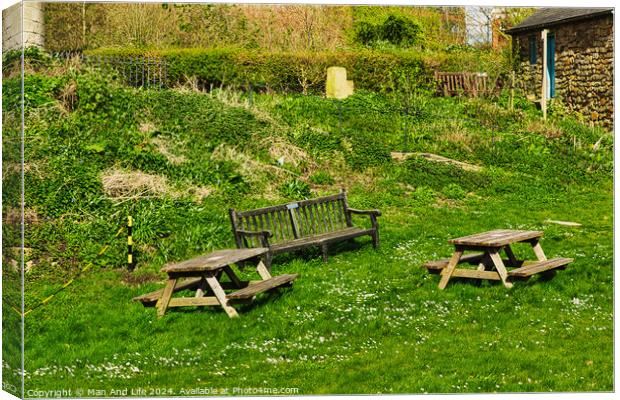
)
(288, 227)
(456, 83)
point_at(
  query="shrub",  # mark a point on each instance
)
(317, 143)
(34, 57)
(454, 191)
(367, 151)
(366, 33)
(417, 171)
(322, 178)
(397, 30)
(295, 189)
(423, 196)
(400, 30)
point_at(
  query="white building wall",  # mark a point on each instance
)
(26, 18)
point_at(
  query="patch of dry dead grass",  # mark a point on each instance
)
(280, 149)
(146, 127)
(164, 149)
(548, 130)
(68, 98)
(121, 184)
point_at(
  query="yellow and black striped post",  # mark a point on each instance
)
(130, 261)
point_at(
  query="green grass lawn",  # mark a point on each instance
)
(367, 321)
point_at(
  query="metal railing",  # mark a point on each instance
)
(136, 71)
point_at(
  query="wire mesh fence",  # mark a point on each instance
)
(136, 71)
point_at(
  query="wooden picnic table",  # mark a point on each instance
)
(205, 273)
(488, 246)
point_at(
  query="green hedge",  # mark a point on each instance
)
(281, 71)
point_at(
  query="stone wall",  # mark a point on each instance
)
(584, 62)
(31, 25)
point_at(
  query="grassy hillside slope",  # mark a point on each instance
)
(365, 322)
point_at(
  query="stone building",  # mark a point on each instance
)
(22, 23)
(579, 59)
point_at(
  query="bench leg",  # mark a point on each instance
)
(324, 249)
(375, 239)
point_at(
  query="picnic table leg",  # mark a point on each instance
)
(484, 262)
(233, 278)
(500, 267)
(511, 256)
(202, 287)
(164, 300)
(540, 254)
(220, 295)
(263, 271)
(447, 272)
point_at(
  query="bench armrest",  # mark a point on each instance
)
(267, 234)
(262, 235)
(372, 214)
(365, 212)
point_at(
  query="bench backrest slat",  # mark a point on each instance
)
(316, 218)
(290, 233)
(294, 220)
(324, 220)
(338, 210)
(281, 226)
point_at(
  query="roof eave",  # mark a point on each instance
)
(516, 30)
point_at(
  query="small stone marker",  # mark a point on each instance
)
(337, 86)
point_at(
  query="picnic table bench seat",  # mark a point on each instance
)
(262, 286)
(149, 299)
(301, 224)
(540, 266)
(435, 266)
